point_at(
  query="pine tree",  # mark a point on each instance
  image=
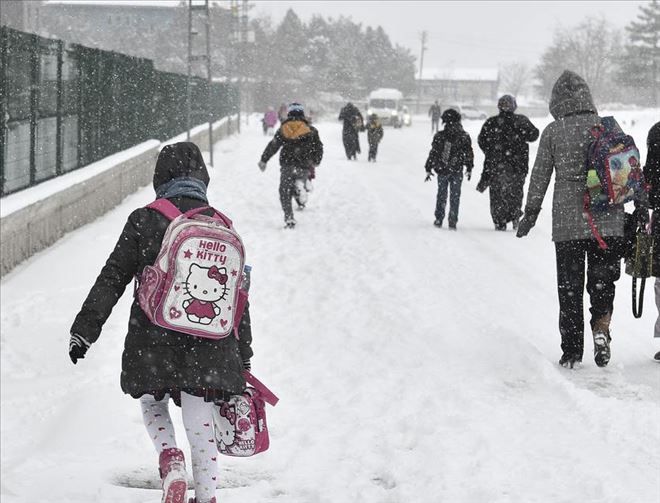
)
(640, 65)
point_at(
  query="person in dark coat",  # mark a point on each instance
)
(374, 136)
(302, 151)
(435, 112)
(563, 150)
(353, 124)
(652, 177)
(158, 364)
(504, 140)
(451, 150)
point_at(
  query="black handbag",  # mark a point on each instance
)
(639, 262)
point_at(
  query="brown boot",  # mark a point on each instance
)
(601, 334)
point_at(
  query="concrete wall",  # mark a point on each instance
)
(37, 226)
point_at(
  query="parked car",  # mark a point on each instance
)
(469, 112)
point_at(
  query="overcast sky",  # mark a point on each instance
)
(468, 33)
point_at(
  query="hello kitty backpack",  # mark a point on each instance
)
(194, 287)
(239, 425)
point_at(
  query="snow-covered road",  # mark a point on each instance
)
(413, 364)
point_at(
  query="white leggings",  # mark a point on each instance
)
(198, 421)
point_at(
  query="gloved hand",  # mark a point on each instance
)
(468, 174)
(262, 165)
(246, 364)
(429, 175)
(527, 222)
(78, 346)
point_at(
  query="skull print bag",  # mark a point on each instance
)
(195, 286)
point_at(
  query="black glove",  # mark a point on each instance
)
(429, 175)
(528, 221)
(78, 346)
(246, 364)
(468, 174)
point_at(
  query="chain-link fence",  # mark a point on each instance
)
(66, 106)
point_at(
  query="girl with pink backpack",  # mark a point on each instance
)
(159, 364)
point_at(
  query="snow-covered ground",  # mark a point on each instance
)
(413, 364)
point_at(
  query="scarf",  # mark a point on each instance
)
(184, 186)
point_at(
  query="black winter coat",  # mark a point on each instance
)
(652, 166)
(451, 149)
(504, 141)
(652, 177)
(156, 360)
(374, 132)
(300, 143)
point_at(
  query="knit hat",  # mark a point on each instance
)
(450, 116)
(507, 103)
(296, 110)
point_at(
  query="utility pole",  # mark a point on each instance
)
(188, 88)
(421, 66)
(202, 54)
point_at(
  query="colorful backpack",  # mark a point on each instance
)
(240, 424)
(196, 284)
(614, 173)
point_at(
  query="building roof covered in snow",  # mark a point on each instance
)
(460, 74)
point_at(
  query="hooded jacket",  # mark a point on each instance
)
(504, 140)
(451, 149)
(300, 144)
(563, 151)
(156, 360)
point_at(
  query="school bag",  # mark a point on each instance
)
(239, 425)
(638, 257)
(613, 172)
(196, 285)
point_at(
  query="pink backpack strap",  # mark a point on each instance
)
(267, 394)
(165, 207)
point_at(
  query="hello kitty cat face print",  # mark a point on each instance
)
(205, 286)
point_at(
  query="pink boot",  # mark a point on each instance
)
(173, 474)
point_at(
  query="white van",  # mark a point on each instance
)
(386, 104)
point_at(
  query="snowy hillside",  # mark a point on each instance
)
(413, 364)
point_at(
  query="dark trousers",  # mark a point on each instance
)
(373, 151)
(288, 177)
(434, 124)
(448, 183)
(603, 269)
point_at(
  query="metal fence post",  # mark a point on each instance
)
(34, 104)
(4, 112)
(60, 92)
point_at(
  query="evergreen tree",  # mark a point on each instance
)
(640, 66)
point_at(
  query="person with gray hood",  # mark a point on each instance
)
(563, 149)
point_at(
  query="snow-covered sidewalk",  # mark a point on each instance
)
(413, 364)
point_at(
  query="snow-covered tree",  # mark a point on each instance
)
(592, 49)
(640, 66)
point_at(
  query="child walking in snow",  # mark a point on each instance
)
(450, 151)
(159, 364)
(302, 151)
(374, 136)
